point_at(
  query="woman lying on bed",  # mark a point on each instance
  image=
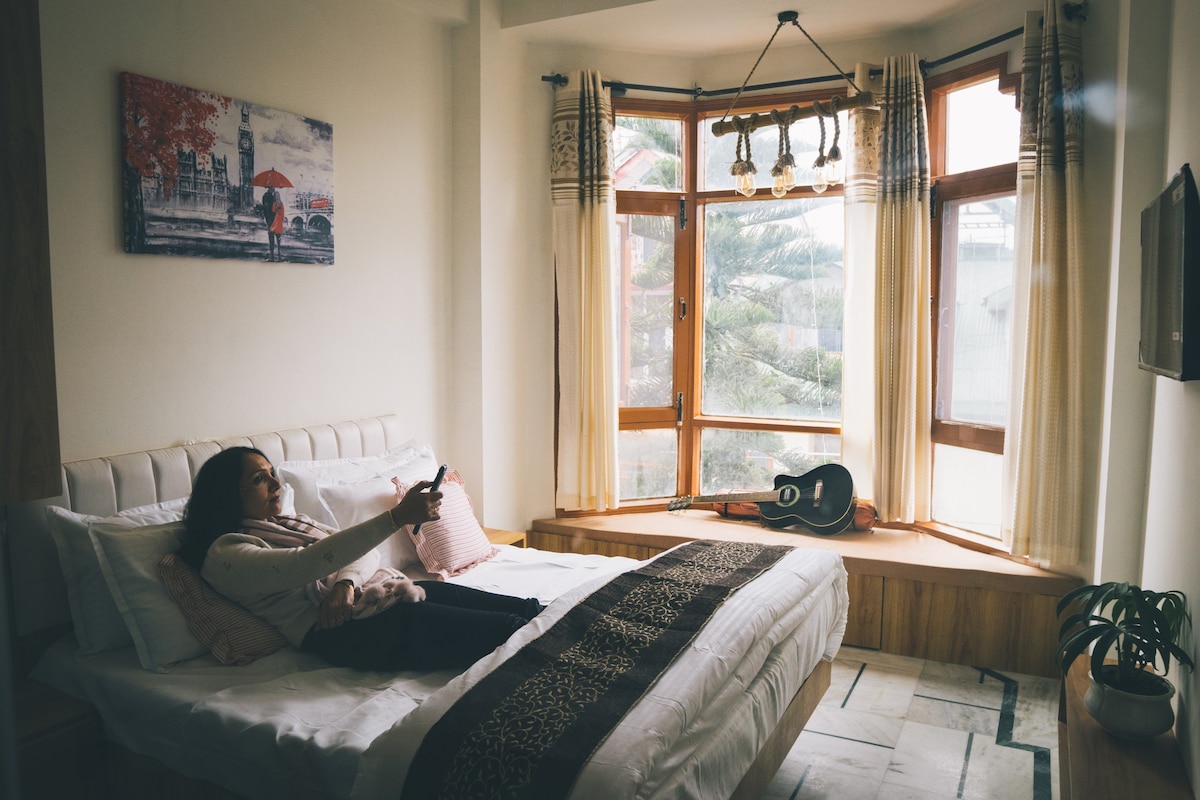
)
(324, 590)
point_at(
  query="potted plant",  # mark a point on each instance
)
(1129, 698)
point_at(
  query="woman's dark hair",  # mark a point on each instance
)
(215, 507)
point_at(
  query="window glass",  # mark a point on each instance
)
(748, 461)
(966, 489)
(773, 297)
(648, 461)
(647, 246)
(983, 127)
(649, 153)
(976, 295)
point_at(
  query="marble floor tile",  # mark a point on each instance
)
(956, 716)
(842, 755)
(894, 791)
(996, 772)
(860, 726)
(824, 783)
(966, 685)
(929, 758)
(897, 728)
(1037, 711)
(882, 689)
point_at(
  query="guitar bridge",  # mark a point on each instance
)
(817, 493)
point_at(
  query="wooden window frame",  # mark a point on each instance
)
(981, 182)
(688, 369)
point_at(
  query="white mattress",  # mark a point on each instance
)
(291, 726)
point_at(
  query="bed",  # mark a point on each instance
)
(718, 717)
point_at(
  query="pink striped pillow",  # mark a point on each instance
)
(233, 634)
(454, 543)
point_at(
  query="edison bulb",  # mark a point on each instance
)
(778, 188)
(820, 182)
(785, 179)
(745, 184)
(833, 171)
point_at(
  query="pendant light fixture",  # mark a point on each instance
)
(827, 169)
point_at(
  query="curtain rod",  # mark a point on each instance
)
(557, 79)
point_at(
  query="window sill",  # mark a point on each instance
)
(882, 551)
(962, 537)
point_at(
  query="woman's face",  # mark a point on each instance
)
(262, 494)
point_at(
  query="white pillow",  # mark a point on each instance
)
(97, 622)
(351, 503)
(94, 616)
(304, 476)
(129, 560)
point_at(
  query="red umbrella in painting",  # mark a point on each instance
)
(276, 180)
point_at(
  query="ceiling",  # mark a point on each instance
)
(713, 27)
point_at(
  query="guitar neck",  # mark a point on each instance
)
(743, 497)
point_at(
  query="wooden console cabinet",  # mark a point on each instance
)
(1092, 764)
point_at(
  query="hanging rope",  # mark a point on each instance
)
(782, 22)
(849, 80)
(785, 158)
(835, 152)
(743, 166)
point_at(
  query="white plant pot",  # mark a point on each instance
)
(1130, 716)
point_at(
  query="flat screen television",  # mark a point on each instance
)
(1170, 330)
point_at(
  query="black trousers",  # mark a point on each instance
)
(452, 628)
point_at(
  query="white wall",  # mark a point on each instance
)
(1137, 110)
(1172, 543)
(503, 284)
(154, 350)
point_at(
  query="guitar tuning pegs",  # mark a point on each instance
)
(679, 503)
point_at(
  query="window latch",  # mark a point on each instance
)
(682, 308)
(679, 408)
(683, 214)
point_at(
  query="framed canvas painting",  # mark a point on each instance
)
(211, 176)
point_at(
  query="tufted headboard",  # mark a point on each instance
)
(107, 485)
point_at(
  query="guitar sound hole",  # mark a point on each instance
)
(788, 495)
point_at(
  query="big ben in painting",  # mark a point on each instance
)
(246, 159)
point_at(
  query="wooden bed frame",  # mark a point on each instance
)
(104, 486)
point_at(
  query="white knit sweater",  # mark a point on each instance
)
(269, 581)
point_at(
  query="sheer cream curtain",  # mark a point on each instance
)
(584, 208)
(903, 363)
(858, 333)
(1044, 440)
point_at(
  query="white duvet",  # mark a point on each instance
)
(290, 726)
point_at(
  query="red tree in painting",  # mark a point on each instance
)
(158, 120)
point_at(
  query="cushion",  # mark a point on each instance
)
(305, 476)
(231, 633)
(455, 542)
(129, 560)
(97, 622)
(351, 503)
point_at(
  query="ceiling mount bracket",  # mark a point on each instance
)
(788, 16)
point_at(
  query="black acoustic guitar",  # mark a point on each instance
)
(821, 500)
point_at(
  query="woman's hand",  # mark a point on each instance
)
(417, 505)
(337, 606)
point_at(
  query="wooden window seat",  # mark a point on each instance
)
(911, 593)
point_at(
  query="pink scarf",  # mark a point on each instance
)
(386, 587)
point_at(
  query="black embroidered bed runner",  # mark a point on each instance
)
(526, 729)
